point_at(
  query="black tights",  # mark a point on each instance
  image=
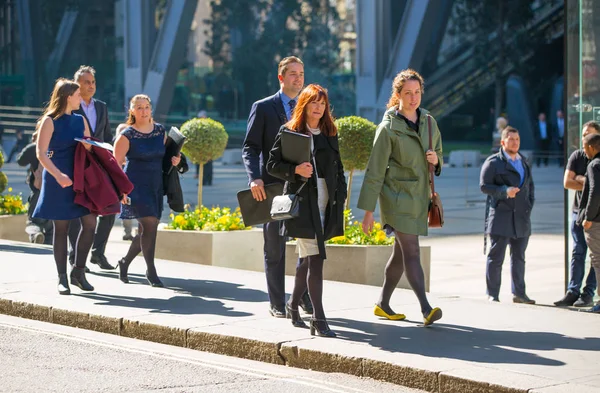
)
(83, 245)
(309, 274)
(144, 242)
(405, 257)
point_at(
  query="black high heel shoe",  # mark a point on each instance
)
(294, 315)
(78, 279)
(123, 267)
(321, 332)
(154, 281)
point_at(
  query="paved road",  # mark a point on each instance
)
(40, 357)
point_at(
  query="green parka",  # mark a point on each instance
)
(397, 173)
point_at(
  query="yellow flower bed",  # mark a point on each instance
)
(12, 204)
(353, 234)
(205, 219)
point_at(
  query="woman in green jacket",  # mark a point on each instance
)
(397, 174)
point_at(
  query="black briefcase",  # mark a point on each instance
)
(255, 212)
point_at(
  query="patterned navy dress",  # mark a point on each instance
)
(55, 202)
(144, 169)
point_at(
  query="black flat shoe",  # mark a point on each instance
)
(78, 279)
(321, 328)
(123, 266)
(294, 315)
(154, 281)
(63, 285)
(567, 300)
(102, 262)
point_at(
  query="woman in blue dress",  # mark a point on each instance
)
(141, 147)
(55, 150)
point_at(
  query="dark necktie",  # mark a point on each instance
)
(292, 105)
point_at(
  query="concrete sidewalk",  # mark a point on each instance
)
(476, 347)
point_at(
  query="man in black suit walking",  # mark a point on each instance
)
(266, 118)
(95, 113)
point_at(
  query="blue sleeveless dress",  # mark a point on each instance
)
(144, 169)
(55, 202)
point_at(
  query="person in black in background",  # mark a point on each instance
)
(39, 229)
(20, 145)
(574, 179)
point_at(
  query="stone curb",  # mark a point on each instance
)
(277, 353)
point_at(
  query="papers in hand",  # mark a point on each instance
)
(103, 145)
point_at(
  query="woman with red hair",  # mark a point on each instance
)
(321, 200)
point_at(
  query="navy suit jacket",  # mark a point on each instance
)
(103, 131)
(266, 118)
(508, 217)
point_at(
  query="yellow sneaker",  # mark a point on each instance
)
(433, 316)
(394, 317)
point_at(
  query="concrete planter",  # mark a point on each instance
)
(358, 264)
(12, 227)
(234, 249)
(244, 250)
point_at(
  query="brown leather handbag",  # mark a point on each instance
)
(436, 210)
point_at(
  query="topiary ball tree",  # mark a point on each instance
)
(206, 140)
(355, 135)
(3, 178)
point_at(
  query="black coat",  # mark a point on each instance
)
(509, 217)
(102, 130)
(590, 197)
(308, 224)
(172, 185)
(266, 118)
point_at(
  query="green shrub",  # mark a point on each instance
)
(3, 182)
(355, 135)
(206, 140)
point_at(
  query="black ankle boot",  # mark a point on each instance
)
(294, 315)
(321, 328)
(154, 281)
(123, 267)
(63, 284)
(78, 279)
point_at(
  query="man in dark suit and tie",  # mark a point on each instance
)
(96, 114)
(560, 136)
(266, 118)
(544, 138)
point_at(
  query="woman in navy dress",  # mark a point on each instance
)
(55, 150)
(141, 147)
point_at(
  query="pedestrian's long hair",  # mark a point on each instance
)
(130, 117)
(310, 94)
(63, 89)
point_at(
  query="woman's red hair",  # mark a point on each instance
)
(310, 94)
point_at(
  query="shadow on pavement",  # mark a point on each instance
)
(196, 287)
(202, 296)
(462, 342)
(22, 249)
(180, 305)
